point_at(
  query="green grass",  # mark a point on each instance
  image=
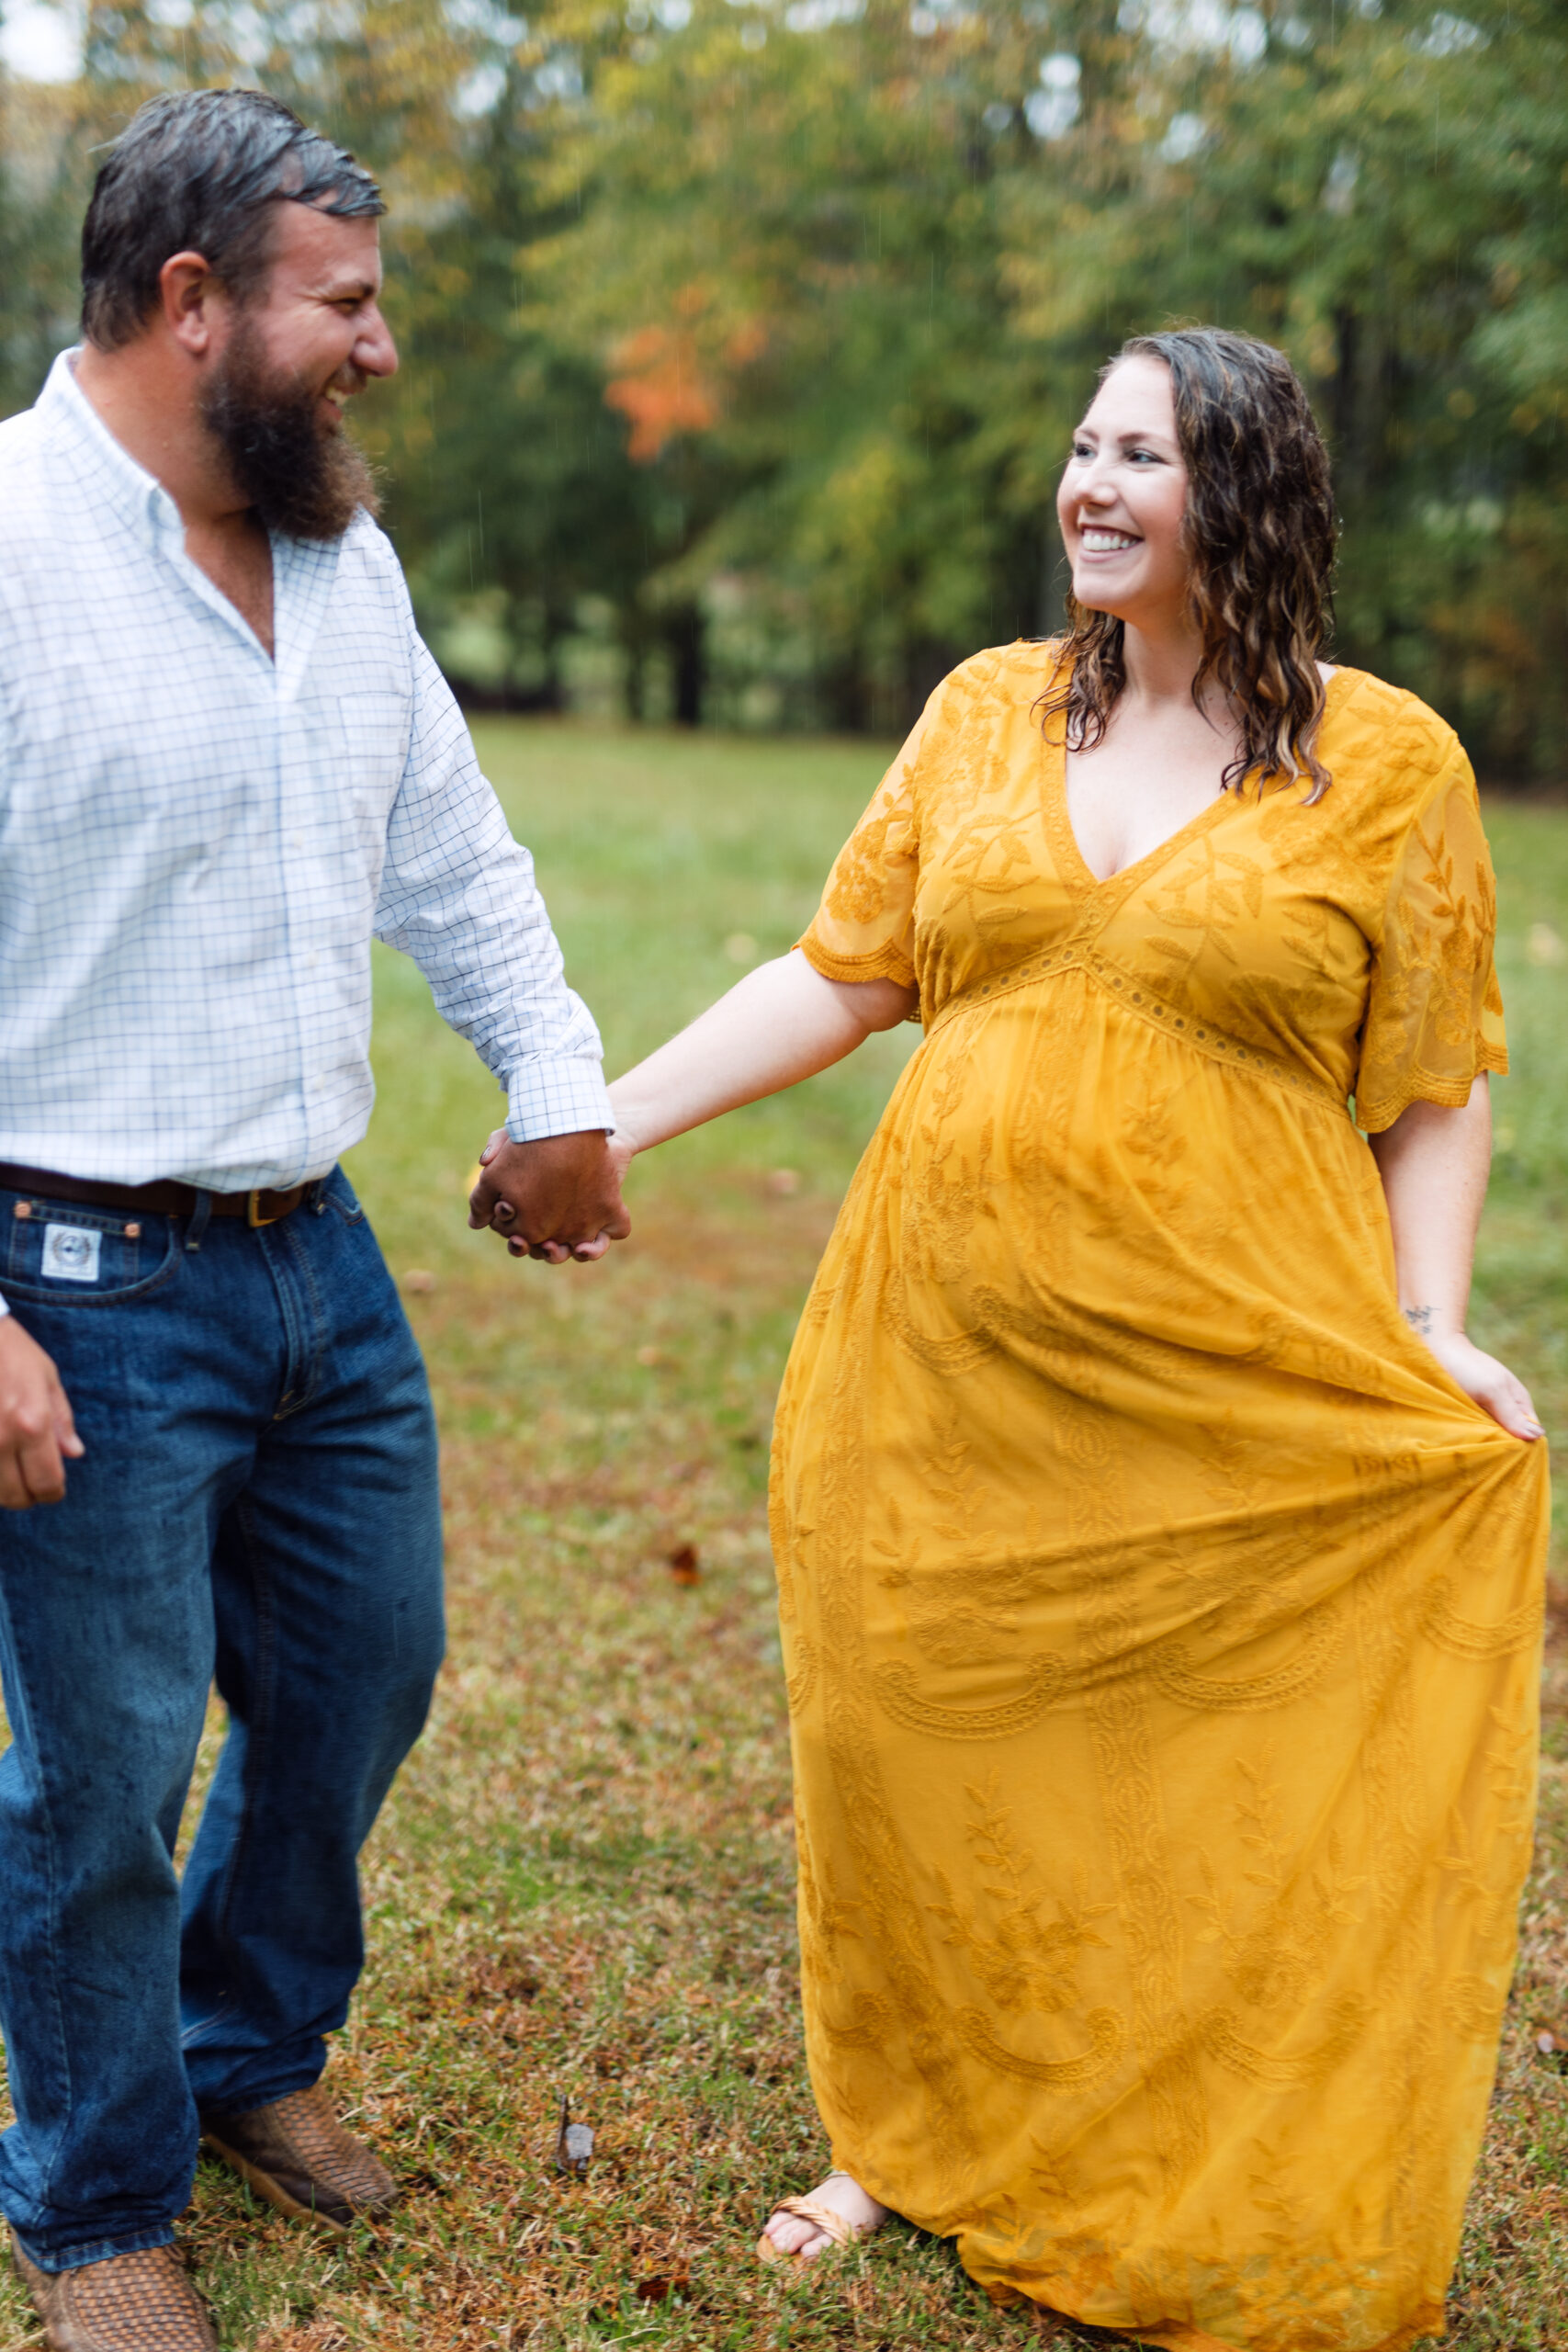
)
(582, 1885)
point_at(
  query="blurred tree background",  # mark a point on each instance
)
(742, 338)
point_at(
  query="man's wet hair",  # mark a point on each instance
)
(203, 171)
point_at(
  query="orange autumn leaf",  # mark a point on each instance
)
(748, 342)
(661, 386)
(661, 390)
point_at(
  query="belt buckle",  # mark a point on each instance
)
(253, 1210)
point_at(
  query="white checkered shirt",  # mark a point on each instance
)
(196, 844)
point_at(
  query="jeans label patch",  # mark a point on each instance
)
(71, 1253)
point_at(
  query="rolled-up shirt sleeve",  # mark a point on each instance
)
(458, 895)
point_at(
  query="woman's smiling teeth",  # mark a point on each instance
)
(1102, 542)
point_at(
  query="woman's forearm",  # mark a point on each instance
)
(1434, 1164)
(781, 1023)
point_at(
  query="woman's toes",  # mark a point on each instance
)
(793, 2236)
(796, 2235)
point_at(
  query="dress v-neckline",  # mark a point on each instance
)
(1060, 821)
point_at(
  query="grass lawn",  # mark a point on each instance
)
(583, 1887)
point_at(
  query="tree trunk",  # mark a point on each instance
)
(1350, 441)
(684, 633)
(926, 665)
(633, 633)
(841, 688)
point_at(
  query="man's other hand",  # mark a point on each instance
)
(556, 1198)
(37, 1436)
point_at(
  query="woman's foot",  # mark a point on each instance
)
(837, 2212)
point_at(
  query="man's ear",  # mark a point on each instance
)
(191, 299)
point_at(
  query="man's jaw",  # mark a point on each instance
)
(284, 442)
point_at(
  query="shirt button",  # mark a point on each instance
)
(320, 1085)
(296, 841)
(311, 960)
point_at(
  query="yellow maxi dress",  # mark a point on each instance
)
(1162, 1623)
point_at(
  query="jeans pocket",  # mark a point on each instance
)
(339, 1196)
(68, 1253)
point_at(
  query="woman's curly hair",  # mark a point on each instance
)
(1259, 531)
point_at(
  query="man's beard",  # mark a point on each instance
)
(302, 483)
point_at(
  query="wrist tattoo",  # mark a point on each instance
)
(1419, 1318)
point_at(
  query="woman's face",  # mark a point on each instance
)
(1122, 498)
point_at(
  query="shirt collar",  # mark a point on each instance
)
(106, 468)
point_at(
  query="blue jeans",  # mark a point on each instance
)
(258, 1503)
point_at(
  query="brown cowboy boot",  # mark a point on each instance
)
(297, 2154)
(132, 2303)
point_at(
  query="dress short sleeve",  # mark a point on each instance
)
(864, 928)
(1435, 1011)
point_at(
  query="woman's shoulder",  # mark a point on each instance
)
(974, 694)
(1384, 738)
(1017, 673)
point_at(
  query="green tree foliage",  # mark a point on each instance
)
(750, 331)
(802, 225)
(37, 232)
(934, 226)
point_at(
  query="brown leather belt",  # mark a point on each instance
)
(167, 1199)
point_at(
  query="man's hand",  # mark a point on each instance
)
(37, 1436)
(555, 1199)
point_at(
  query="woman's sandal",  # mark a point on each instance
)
(831, 2224)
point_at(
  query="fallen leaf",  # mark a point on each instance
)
(1544, 946)
(1552, 2044)
(1050, 2327)
(662, 2285)
(503, 1979)
(574, 2143)
(781, 1183)
(653, 1358)
(683, 1564)
(419, 1278)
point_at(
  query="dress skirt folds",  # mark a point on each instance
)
(1162, 1623)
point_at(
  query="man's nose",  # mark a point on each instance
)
(374, 352)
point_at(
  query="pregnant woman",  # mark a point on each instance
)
(1160, 1562)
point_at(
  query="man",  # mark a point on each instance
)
(226, 759)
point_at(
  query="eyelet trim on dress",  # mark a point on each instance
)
(1203, 1036)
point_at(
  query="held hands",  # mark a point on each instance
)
(556, 1198)
(37, 1436)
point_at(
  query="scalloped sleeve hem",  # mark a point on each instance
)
(887, 963)
(1448, 1094)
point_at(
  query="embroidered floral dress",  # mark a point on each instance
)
(1162, 1623)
